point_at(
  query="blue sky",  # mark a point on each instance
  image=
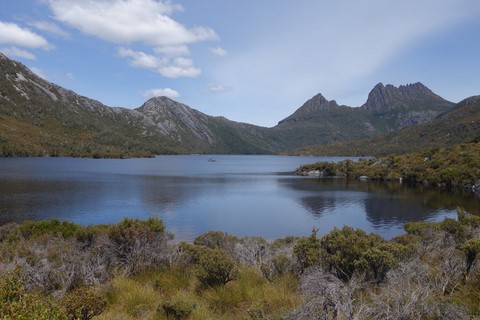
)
(250, 61)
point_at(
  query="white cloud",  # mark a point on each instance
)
(216, 88)
(133, 22)
(167, 92)
(50, 28)
(70, 76)
(129, 21)
(175, 71)
(218, 52)
(173, 51)
(11, 33)
(141, 59)
(171, 68)
(16, 52)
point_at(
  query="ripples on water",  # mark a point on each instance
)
(242, 195)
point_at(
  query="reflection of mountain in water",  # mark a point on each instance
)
(394, 210)
(317, 205)
(385, 204)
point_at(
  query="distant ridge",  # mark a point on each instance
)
(388, 108)
(39, 118)
(457, 125)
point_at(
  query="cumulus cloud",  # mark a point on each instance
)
(50, 28)
(13, 34)
(171, 68)
(133, 22)
(158, 92)
(173, 51)
(16, 52)
(218, 52)
(129, 21)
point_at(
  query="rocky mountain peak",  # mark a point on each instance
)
(318, 103)
(174, 118)
(314, 105)
(383, 99)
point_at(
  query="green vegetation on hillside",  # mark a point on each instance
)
(461, 124)
(446, 167)
(132, 270)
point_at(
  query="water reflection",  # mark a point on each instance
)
(242, 195)
(383, 204)
(317, 205)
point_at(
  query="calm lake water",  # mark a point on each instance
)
(241, 195)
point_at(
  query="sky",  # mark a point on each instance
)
(253, 61)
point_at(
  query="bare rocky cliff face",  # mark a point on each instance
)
(175, 119)
(383, 99)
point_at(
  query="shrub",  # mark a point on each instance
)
(454, 228)
(54, 227)
(17, 303)
(136, 244)
(349, 250)
(216, 240)
(378, 260)
(215, 268)
(178, 310)
(467, 218)
(84, 303)
(307, 250)
(417, 228)
(277, 266)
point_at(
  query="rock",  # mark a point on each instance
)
(364, 178)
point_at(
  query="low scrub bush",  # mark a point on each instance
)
(134, 245)
(307, 250)
(178, 310)
(84, 303)
(216, 268)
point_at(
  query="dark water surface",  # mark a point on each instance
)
(241, 195)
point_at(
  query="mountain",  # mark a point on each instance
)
(202, 133)
(388, 108)
(406, 105)
(459, 124)
(40, 118)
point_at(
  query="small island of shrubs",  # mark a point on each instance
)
(457, 166)
(133, 270)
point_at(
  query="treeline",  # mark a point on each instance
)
(133, 270)
(457, 166)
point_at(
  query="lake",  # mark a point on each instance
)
(241, 195)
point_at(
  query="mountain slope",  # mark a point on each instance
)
(388, 108)
(202, 133)
(460, 124)
(39, 118)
